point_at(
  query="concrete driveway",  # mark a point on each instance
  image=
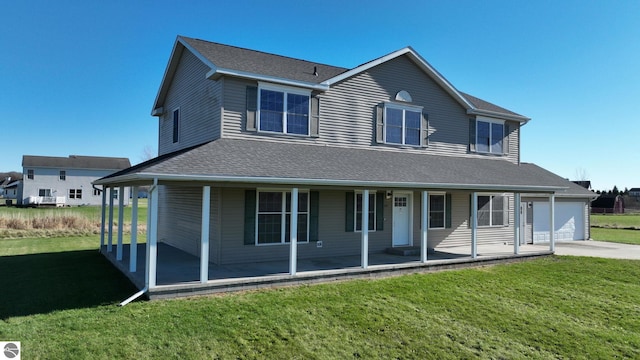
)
(597, 249)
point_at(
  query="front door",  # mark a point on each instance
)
(401, 219)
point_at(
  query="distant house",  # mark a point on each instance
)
(60, 181)
(11, 191)
(584, 183)
(634, 193)
(608, 204)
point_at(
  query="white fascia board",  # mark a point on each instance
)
(325, 182)
(498, 115)
(216, 72)
(424, 65)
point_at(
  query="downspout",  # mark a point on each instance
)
(146, 287)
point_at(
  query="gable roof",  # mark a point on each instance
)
(251, 161)
(251, 64)
(76, 162)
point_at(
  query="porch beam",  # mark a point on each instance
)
(474, 225)
(103, 216)
(120, 221)
(110, 226)
(204, 234)
(133, 248)
(293, 248)
(365, 230)
(516, 225)
(425, 223)
(552, 225)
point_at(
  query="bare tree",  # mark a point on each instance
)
(148, 153)
(581, 174)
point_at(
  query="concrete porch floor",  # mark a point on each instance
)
(178, 272)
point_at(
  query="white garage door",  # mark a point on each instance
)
(569, 221)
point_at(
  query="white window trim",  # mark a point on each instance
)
(491, 121)
(403, 107)
(285, 90)
(61, 174)
(444, 224)
(283, 212)
(505, 208)
(355, 211)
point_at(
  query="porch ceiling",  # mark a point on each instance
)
(268, 162)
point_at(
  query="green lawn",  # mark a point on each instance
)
(60, 304)
(616, 221)
(616, 235)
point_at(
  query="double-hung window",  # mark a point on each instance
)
(437, 211)
(402, 124)
(274, 217)
(30, 174)
(283, 110)
(358, 211)
(75, 193)
(63, 175)
(491, 210)
(490, 136)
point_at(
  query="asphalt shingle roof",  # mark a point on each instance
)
(252, 159)
(76, 162)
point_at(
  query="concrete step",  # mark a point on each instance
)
(404, 250)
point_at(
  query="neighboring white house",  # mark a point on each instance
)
(10, 191)
(60, 181)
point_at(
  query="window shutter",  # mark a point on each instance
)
(425, 129)
(380, 211)
(249, 217)
(252, 107)
(505, 141)
(472, 135)
(448, 211)
(349, 212)
(314, 127)
(314, 208)
(380, 123)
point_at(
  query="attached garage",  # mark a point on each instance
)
(570, 220)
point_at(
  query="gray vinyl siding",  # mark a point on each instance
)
(460, 232)
(199, 101)
(348, 117)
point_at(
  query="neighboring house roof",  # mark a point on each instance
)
(265, 162)
(571, 189)
(13, 184)
(635, 189)
(251, 64)
(584, 183)
(76, 162)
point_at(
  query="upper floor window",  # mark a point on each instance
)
(30, 174)
(283, 110)
(176, 125)
(63, 175)
(402, 125)
(490, 136)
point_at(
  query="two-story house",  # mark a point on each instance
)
(66, 181)
(266, 159)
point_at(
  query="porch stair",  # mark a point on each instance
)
(404, 250)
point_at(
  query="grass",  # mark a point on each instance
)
(61, 305)
(616, 235)
(616, 221)
(61, 222)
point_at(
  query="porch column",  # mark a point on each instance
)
(474, 225)
(133, 248)
(152, 237)
(120, 221)
(103, 216)
(425, 223)
(110, 226)
(516, 225)
(365, 229)
(204, 234)
(552, 225)
(293, 248)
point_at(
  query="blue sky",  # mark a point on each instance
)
(80, 77)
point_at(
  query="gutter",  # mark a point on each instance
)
(324, 182)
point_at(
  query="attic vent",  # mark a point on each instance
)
(315, 71)
(404, 96)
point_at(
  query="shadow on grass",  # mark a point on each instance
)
(42, 283)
